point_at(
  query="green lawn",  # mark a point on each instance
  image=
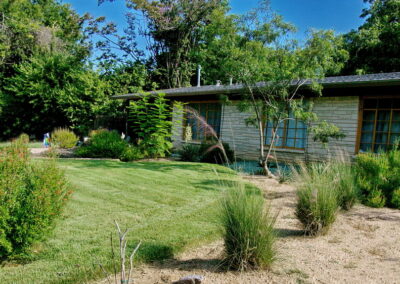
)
(30, 145)
(169, 206)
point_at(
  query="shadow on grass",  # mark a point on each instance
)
(161, 166)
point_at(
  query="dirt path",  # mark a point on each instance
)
(363, 246)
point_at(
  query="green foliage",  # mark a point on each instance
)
(190, 153)
(248, 230)
(23, 138)
(325, 131)
(317, 199)
(64, 138)
(104, 144)
(378, 177)
(373, 47)
(150, 121)
(32, 195)
(131, 153)
(395, 201)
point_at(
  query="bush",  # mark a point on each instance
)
(396, 198)
(130, 154)
(64, 138)
(317, 199)
(23, 138)
(104, 144)
(378, 177)
(248, 231)
(213, 152)
(190, 153)
(32, 195)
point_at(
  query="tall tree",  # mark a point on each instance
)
(375, 46)
(172, 29)
(285, 69)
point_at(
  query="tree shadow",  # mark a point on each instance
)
(288, 233)
(211, 265)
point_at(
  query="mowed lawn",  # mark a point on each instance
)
(30, 145)
(168, 205)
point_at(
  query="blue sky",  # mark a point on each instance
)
(340, 15)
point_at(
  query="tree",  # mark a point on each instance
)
(374, 47)
(283, 67)
(48, 91)
(172, 30)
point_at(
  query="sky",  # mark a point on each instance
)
(339, 15)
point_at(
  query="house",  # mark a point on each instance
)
(365, 107)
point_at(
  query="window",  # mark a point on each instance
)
(291, 134)
(380, 124)
(211, 112)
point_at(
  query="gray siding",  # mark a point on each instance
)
(341, 111)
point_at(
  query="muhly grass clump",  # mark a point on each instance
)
(248, 230)
(322, 189)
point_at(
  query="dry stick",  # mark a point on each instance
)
(131, 260)
(113, 258)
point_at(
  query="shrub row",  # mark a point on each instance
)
(378, 177)
(32, 195)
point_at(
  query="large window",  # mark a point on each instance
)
(380, 124)
(209, 112)
(291, 134)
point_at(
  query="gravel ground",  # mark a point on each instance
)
(363, 246)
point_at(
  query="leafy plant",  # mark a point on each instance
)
(32, 195)
(64, 138)
(131, 153)
(104, 144)
(248, 230)
(190, 153)
(378, 177)
(23, 138)
(395, 201)
(150, 121)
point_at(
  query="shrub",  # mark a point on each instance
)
(64, 138)
(190, 153)
(130, 154)
(104, 144)
(396, 198)
(23, 138)
(248, 230)
(317, 199)
(214, 152)
(32, 195)
(378, 177)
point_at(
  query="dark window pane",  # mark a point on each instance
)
(395, 126)
(365, 147)
(382, 126)
(371, 103)
(381, 138)
(383, 115)
(368, 126)
(366, 137)
(369, 115)
(396, 115)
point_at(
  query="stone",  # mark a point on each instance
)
(192, 279)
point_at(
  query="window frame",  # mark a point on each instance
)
(185, 119)
(376, 109)
(285, 137)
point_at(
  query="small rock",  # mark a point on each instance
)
(192, 279)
